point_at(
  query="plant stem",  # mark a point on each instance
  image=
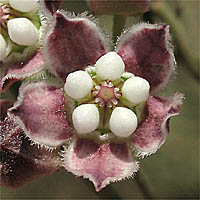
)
(119, 22)
(192, 61)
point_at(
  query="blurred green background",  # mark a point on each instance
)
(173, 172)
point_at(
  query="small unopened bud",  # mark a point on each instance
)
(136, 90)
(78, 84)
(123, 122)
(85, 118)
(22, 31)
(110, 66)
(23, 5)
(2, 48)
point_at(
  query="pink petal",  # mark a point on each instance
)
(102, 164)
(154, 130)
(72, 44)
(10, 132)
(31, 162)
(21, 70)
(40, 111)
(20, 162)
(147, 53)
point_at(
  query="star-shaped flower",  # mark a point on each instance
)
(21, 30)
(100, 113)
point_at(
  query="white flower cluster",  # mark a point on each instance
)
(86, 118)
(20, 29)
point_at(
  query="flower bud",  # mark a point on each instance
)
(22, 31)
(78, 84)
(120, 7)
(123, 122)
(23, 5)
(136, 90)
(85, 118)
(110, 66)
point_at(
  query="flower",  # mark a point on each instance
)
(95, 109)
(19, 26)
(20, 60)
(20, 31)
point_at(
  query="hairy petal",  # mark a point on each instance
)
(30, 162)
(10, 132)
(102, 164)
(72, 44)
(20, 162)
(154, 130)
(21, 70)
(147, 53)
(40, 112)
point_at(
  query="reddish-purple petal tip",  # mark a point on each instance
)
(147, 53)
(29, 163)
(153, 131)
(72, 44)
(10, 132)
(21, 70)
(102, 164)
(21, 162)
(40, 112)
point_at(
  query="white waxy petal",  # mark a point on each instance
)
(2, 48)
(78, 84)
(22, 31)
(136, 90)
(23, 5)
(123, 122)
(110, 66)
(85, 118)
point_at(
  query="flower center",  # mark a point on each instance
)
(107, 102)
(106, 94)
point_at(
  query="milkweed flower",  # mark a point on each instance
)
(96, 108)
(21, 29)
(20, 33)
(20, 26)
